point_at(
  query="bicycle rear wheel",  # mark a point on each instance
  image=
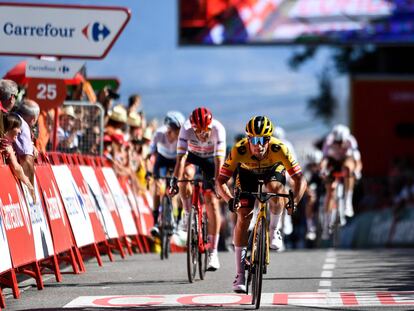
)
(203, 257)
(165, 227)
(259, 263)
(192, 245)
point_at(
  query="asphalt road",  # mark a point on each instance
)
(303, 279)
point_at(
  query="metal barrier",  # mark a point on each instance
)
(84, 132)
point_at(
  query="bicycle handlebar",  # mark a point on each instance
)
(263, 197)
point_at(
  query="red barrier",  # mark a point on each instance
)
(18, 231)
(75, 208)
(140, 240)
(109, 201)
(63, 241)
(97, 226)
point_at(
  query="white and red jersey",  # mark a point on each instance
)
(338, 152)
(161, 145)
(214, 146)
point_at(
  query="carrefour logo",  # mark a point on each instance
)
(97, 31)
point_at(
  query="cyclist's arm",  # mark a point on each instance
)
(218, 163)
(299, 186)
(179, 166)
(226, 172)
(222, 188)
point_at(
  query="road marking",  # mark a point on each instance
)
(324, 290)
(328, 266)
(325, 283)
(327, 271)
(306, 299)
(326, 274)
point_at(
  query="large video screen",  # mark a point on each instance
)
(227, 22)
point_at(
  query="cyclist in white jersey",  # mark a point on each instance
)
(202, 142)
(164, 147)
(340, 153)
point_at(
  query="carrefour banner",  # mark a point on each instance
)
(121, 200)
(103, 211)
(74, 205)
(16, 220)
(5, 262)
(41, 231)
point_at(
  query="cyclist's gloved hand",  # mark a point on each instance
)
(173, 190)
(148, 175)
(233, 204)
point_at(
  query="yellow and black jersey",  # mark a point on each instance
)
(277, 154)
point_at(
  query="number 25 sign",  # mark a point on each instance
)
(48, 93)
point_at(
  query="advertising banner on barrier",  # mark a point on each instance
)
(58, 220)
(16, 220)
(41, 232)
(121, 201)
(5, 262)
(102, 209)
(74, 205)
(145, 213)
(90, 204)
(109, 201)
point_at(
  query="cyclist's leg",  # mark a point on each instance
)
(186, 190)
(158, 171)
(247, 182)
(275, 182)
(207, 167)
(349, 167)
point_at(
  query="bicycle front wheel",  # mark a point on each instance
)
(192, 245)
(203, 257)
(259, 262)
(166, 227)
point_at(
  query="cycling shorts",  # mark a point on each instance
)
(162, 164)
(248, 181)
(207, 167)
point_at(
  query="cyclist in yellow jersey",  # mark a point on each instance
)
(258, 156)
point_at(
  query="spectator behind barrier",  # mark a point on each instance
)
(28, 111)
(67, 131)
(134, 105)
(12, 128)
(106, 97)
(8, 96)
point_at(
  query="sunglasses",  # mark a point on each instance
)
(258, 140)
(202, 132)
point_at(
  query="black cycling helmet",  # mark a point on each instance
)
(259, 126)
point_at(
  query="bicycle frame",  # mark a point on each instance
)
(263, 198)
(196, 201)
(257, 264)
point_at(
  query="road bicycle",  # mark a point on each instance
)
(197, 236)
(167, 222)
(258, 247)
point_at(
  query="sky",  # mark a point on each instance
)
(236, 83)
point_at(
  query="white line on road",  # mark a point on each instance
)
(326, 274)
(325, 283)
(328, 266)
